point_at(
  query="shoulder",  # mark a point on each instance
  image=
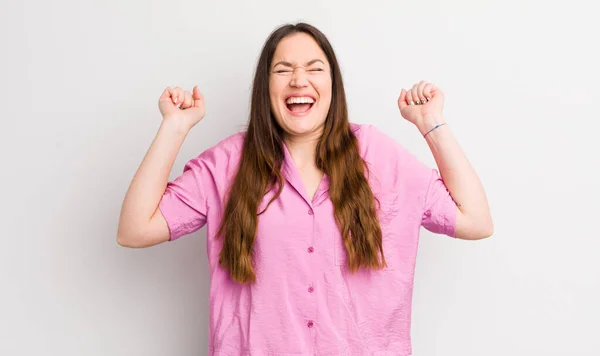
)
(222, 156)
(390, 163)
(371, 136)
(231, 145)
(377, 146)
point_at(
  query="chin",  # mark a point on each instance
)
(301, 130)
(301, 126)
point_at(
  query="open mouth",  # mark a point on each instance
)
(299, 105)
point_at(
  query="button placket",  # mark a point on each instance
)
(310, 249)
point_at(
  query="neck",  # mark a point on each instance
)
(302, 149)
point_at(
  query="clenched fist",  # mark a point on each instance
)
(422, 105)
(182, 107)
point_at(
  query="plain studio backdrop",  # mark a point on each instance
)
(79, 85)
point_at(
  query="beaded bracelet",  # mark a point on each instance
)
(436, 126)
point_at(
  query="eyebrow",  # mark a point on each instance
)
(288, 64)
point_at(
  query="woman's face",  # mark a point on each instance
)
(300, 86)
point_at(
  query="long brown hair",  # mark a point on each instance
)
(259, 171)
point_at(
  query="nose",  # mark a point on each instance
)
(299, 78)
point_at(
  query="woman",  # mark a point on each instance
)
(312, 222)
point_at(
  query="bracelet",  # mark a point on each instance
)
(436, 126)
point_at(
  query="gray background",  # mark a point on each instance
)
(79, 84)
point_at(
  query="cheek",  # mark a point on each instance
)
(273, 90)
(324, 87)
(273, 100)
(325, 98)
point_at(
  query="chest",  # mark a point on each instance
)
(311, 178)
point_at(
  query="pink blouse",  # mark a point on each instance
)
(305, 300)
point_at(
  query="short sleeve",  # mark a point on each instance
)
(183, 203)
(423, 187)
(440, 209)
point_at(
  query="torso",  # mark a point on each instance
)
(300, 258)
(311, 178)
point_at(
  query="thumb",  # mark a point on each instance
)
(197, 96)
(402, 100)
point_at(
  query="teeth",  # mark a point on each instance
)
(300, 100)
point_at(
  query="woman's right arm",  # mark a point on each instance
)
(141, 224)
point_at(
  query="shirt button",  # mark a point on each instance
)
(310, 211)
(311, 249)
(310, 324)
(310, 289)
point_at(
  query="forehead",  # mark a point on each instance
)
(298, 48)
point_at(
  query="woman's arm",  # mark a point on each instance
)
(422, 105)
(473, 220)
(141, 223)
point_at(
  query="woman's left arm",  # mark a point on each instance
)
(422, 105)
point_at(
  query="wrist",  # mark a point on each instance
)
(175, 127)
(429, 123)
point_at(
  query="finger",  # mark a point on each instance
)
(409, 97)
(402, 103)
(166, 95)
(420, 91)
(434, 90)
(177, 95)
(427, 91)
(197, 96)
(415, 95)
(187, 100)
